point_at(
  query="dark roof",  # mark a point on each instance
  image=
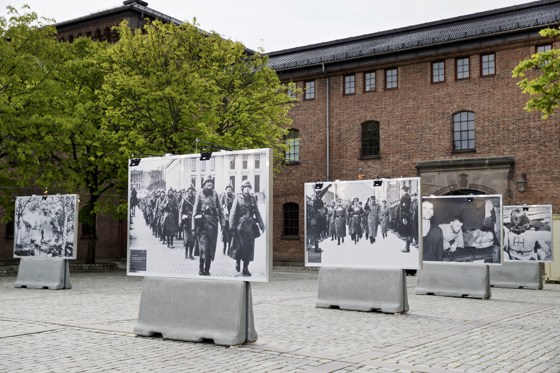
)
(534, 15)
(134, 5)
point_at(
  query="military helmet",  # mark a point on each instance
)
(207, 179)
(246, 183)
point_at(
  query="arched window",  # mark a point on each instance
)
(463, 131)
(370, 140)
(291, 219)
(292, 141)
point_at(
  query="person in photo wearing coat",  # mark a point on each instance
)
(208, 215)
(247, 223)
(372, 210)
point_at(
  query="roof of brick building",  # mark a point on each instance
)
(530, 16)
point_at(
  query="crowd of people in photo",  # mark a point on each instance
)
(197, 217)
(361, 219)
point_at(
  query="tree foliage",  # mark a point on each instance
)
(72, 114)
(540, 78)
(30, 60)
(177, 84)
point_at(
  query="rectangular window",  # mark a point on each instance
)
(292, 142)
(488, 64)
(257, 186)
(309, 90)
(349, 84)
(10, 228)
(370, 139)
(462, 68)
(193, 181)
(292, 93)
(212, 164)
(463, 131)
(232, 182)
(391, 79)
(544, 48)
(291, 219)
(438, 72)
(245, 161)
(232, 162)
(193, 164)
(257, 161)
(369, 81)
(202, 166)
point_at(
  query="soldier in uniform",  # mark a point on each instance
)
(208, 215)
(316, 216)
(405, 219)
(246, 221)
(227, 201)
(372, 210)
(187, 205)
(339, 213)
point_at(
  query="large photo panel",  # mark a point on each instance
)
(528, 233)
(46, 226)
(204, 215)
(462, 229)
(363, 223)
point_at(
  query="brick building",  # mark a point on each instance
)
(435, 100)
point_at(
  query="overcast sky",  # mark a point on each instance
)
(281, 24)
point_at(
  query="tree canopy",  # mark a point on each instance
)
(72, 114)
(540, 78)
(177, 84)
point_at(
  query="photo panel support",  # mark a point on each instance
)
(197, 310)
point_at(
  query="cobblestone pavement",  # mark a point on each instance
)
(89, 328)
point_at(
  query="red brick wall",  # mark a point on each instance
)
(416, 125)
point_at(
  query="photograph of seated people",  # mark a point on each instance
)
(470, 227)
(527, 233)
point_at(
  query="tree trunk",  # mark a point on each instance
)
(91, 221)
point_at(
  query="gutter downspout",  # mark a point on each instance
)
(328, 123)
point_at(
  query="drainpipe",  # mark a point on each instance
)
(328, 122)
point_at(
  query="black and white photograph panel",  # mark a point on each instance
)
(201, 215)
(462, 229)
(363, 223)
(528, 233)
(46, 226)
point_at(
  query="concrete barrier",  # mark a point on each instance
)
(363, 289)
(454, 280)
(43, 273)
(197, 310)
(517, 274)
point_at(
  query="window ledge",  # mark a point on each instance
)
(290, 238)
(370, 157)
(463, 151)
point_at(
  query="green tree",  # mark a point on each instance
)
(92, 151)
(540, 78)
(30, 60)
(176, 84)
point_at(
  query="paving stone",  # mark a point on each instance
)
(89, 328)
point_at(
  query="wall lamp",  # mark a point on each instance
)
(134, 162)
(521, 183)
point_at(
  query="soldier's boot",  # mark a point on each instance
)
(246, 269)
(238, 265)
(201, 267)
(207, 263)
